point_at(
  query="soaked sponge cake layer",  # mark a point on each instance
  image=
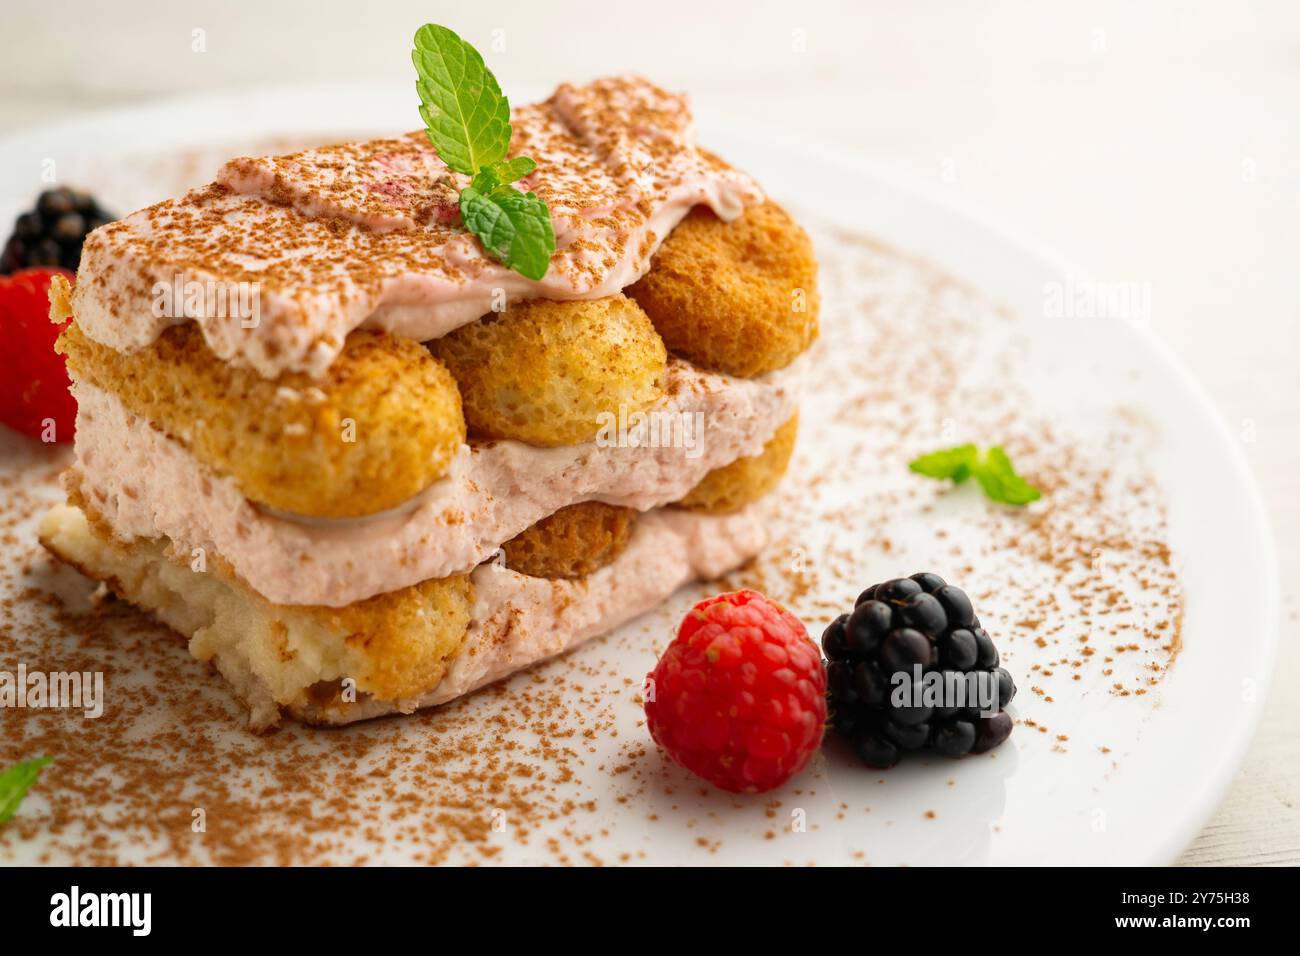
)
(413, 648)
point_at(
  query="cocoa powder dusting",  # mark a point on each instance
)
(1081, 592)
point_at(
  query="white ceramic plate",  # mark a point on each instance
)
(1133, 779)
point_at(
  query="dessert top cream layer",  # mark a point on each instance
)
(282, 257)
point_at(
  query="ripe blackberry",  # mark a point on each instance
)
(53, 232)
(895, 626)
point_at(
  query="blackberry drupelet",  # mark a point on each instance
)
(920, 620)
(53, 232)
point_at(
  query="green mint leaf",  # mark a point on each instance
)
(484, 181)
(955, 463)
(991, 468)
(467, 117)
(15, 782)
(513, 169)
(997, 476)
(499, 174)
(468, 122)
(513, 226)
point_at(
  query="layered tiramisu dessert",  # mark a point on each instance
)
(345, 429)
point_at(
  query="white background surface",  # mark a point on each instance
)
(1155, 142)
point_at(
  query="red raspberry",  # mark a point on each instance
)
(33, 378)
(740, 696)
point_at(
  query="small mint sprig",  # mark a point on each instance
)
(468, 122)
(991, 468)
(14, 784)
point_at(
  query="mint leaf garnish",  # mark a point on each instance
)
(15, 782)
(468, 122)
(513, 169)
(955, 463)
(513, 226)
(991, 468)
(468, 119)
(490, 177)
(999, 480)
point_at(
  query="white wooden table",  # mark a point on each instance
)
(1153, 144)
